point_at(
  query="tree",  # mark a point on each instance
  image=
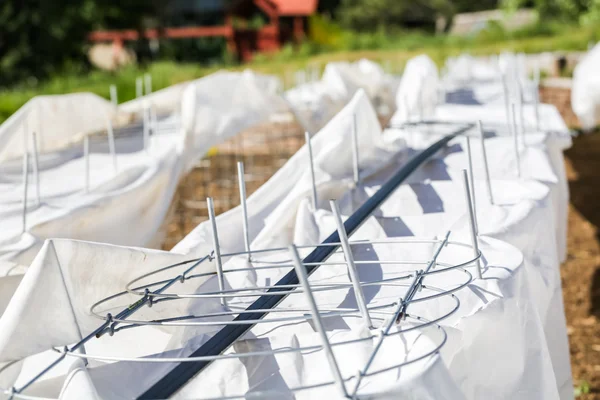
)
(39, 38)
(368, 15)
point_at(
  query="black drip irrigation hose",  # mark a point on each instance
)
(222, 340)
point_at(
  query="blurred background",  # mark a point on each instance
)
(61, 46)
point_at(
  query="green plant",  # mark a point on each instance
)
(582, 388)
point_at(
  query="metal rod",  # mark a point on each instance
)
(36, 169)
(222, 340)
(86, 156)
(25, 133)
(145, 127)
(521, 126)
(312, 170)
(473, 230)
(399, 314)
(355, 149)
(25, 185)
(246, 226)
(148, 82)
(139, 87)
(421, 112)
(303, 278)
(516, 140)
(536, 98)
(217, 250)
(472, 179)
(114, 99)
(506, 97)
(488, 181)
(153, 120)
(355, 279)
(111, 144)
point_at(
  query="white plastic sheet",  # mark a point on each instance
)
(315, 103)
(418, 93)
(585, 94)
(496, 348)
(223, 104)
(57, 120)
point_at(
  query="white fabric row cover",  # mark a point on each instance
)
(135, 188)
(545, 165)
(518, 326)
(315, 103)
(57, 120)
(585, 94)
(504, 79)
(418, 92)
(499, 343)
(59, 281)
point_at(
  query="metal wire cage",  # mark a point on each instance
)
(385, 318)
(233, 296)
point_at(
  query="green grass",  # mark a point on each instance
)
(392, 51)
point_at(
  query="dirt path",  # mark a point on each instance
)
(581, 272)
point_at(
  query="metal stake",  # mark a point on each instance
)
(516, 141)
(358, 292)
(113, 95)
(36, 169)
(111, 143)
(399, 314)
(153, 120)
(488, 181)
(312, 170)
(521, 125)
(215, 237)
(25, 184)
(472, 179)
(86, 156)
(242, 185)
(506, 97)
(303, 278)
(355, 149)
(139, 87)
(473, 230)
(145, 128)
(536, 110)
(148, 82)
(421, 112)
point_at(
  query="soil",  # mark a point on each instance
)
(263, 149)
(581, 272)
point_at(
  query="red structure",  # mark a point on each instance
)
(282, 21)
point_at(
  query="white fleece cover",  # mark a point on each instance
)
(466, 69)
(505, 299)
(473, 81)
(585, 93)
(417, 94)
(58, 282)
(58, 120)
(211, 88)
(138, 195)
(545, 381)
(315, 103)
(540, 152)
(220, 105)
(520, 207)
